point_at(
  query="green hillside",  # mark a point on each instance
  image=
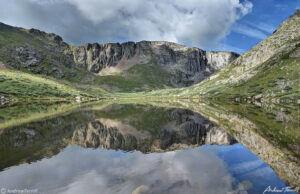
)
(140, 77)
(39, 53)
(36, 64)
(20, 84)
(271, 69)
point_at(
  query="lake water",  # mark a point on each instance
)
(149, 147)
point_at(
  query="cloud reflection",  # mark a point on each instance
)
(79, 170)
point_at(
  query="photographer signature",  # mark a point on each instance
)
(269, 189)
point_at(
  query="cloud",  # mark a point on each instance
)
(227, 47)
(281, 6)
(246, 166)
(186, 171)
(263, 26)
(248, 31)
(196, 22)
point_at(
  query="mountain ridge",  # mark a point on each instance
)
(269, 70)
(116, 67)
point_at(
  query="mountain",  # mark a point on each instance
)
(150, 63)
(37, 64)
(126, 67)
(271, 69)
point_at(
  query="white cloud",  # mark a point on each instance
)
(245, 30)
(196, 22)
(186, 171)
(227, 47)
(263, 26)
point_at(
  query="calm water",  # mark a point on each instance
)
(149, 148)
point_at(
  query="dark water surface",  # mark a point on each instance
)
(174, 147)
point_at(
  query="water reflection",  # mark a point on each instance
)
(176, 129)
(125, 127)
(149, 129)
(206, 170)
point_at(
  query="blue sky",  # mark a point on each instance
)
(265, 17)
(233, 25)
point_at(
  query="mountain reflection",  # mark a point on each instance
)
(127, 127)
(149, 129)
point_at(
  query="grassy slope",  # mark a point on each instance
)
(278, 79)
(39, 80)
(11, 38)
(140, 77)
(15, 83)
(275, 77)
(54, 54)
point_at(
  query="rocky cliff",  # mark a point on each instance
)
(125, 67)
(188, 65)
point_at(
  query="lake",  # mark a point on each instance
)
(173, 146)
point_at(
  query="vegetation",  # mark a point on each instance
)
(51, 60)
(140, 77)
(59, 77)
(278, 79)
(20, 84)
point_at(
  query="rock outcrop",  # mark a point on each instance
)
(35, 51)
(46, 53)
(189, 65)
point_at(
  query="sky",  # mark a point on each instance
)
(230, 25)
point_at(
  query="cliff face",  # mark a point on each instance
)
(130, 66)
(188, 65)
